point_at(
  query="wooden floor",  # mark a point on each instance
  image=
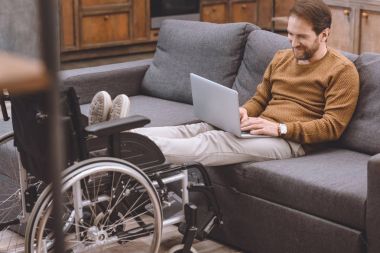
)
(170, 237)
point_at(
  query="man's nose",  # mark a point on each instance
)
(295, 42)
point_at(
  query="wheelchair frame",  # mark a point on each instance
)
(85, 176)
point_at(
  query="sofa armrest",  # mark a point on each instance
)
(116, 79)
(373, 204)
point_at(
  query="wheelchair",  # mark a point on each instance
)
(117, 189)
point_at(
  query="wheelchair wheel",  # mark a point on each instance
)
(10, 197)
(106, 202)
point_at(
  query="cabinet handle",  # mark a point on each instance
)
(244, 6)
(365, 15)
(106, 17)
(346, 12)
(213, 10)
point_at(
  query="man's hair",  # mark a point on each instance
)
(314, 11)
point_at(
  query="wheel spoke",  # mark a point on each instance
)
(114, 200)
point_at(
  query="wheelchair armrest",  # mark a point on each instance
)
(117, 126)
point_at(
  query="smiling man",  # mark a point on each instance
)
(309, 92)
(307, 97)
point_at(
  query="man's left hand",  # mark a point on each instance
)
(260, 126)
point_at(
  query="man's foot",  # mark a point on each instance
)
(120, 107)
(100, 107)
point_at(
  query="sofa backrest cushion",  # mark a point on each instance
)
(352, 57)
(211, 50)
(363, 132)
(260, 48)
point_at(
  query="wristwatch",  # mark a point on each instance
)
(282, 129)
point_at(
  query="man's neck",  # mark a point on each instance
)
(319, 54)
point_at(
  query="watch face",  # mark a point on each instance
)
(283, 129)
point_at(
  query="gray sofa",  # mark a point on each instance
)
(327, 201)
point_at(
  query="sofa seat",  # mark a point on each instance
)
(331, 184)
(161, 112)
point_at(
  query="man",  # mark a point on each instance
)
(307, 96)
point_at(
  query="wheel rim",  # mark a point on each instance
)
(108, 220)
(10, 196)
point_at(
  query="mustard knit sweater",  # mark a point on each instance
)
(315, 101)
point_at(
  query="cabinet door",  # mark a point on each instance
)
(67, 24)
(264, 13)
(104, 29)
(140, 22)
(243, 12)
(282, 9)
(214, 12)
(369, 31)
(341, 36)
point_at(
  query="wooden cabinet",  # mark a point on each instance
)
(341, 35)
(87, 26)
(108, 28)
(67, 24)
(244, 12)
(369, 31)
(223, 11)
(266, 12)
(214, 12)
(355, 26)
(89, 3)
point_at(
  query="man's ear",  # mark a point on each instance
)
(325, 34)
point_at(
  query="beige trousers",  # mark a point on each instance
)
(202, 143)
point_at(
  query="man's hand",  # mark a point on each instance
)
(243, 114)
(259, 126)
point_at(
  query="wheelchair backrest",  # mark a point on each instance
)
(30, 118)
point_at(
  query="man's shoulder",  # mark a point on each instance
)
(340, 59)
(344, 67)
(283, 55)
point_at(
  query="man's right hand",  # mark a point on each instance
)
(243, 114)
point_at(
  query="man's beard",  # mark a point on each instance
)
(308, 53)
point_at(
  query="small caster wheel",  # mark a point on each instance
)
(178, 249)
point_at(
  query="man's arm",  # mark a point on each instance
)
(341, 98)
(256, 105)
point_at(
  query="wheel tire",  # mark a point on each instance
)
(112, 181)
(10, 195)
(178, 249)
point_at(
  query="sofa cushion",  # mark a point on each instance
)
(161, 112)
(363, 132)
(352, 57)
(259, 51)
(210, 50)
(331, 184)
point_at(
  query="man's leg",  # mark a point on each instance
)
(181, 131)
(215, 147)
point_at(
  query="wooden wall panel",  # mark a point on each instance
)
(67, 24)
(140, 19)
(369, 31)
(341, 36)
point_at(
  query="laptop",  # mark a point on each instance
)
(217, 105)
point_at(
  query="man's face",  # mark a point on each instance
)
(305, 42)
